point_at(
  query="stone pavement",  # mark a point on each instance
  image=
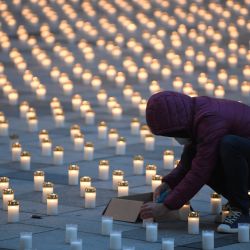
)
(48, 231)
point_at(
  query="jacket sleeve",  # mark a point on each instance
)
(210, 132)
(177, 174)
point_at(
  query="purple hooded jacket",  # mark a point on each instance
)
(206, 121)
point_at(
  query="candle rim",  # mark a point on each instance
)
(52, 196)
(118, 172)
(8, 191)
(4, 179)
(13, 203)
(39, 173)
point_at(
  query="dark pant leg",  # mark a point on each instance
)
(235, 159)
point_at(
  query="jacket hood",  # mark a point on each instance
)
(170, 114)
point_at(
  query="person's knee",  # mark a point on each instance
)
(228, 144)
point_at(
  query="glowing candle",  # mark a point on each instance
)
(193, 223)
(7, 195)
(90, 197)
(77, 70)
(233, 82)
(127, 92)
(79, 142)
(103, 170)
(13, 97)
(74, 130)
(135, 126)
(102, 130)
(115, 241)
(150, 172)
(219, 91)
(151, 232)
(25, 161)
(46, 147)
(85, 106)
(243, 232)
(224, 214)
(107, 225)
(73, 175)
(89, 151)
(59, 119)
(58, 155)
(52, 204)
(156, 181)
(207, 240)
(184, 212)
(136, 98)
(41, 92)
(85, 182)
(138, 165)
(25, 240)
(118, 176)
(68, 88)
(121, 146)
(4, 128)
(33, 124)
(149, 142)
(39, 177)
(112, 137)
(245, 88)
(209, 87)
(96, 82)
(23, 109)
(90, 117)
(4, 184)
(168, 159)
(122, 188)
(13, 211)
(102, 97)
(76, 102)
(167, 244)
(43, 134)
(48, 188)
(71, 233)
(16, 150)
(143, 132)
(117, 112)
(215, 203)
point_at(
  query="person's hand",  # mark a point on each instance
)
(160, 189)
(153, 210)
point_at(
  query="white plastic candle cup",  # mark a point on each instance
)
(13, 211)
(156, 181)
(135, 126)
(103, 170)
(76, 102)
(138, 165)
(23, 108)
(151, 232)
(146, 221)
(71, 233)
(102, 97)
(16, 150)
(79, 142)
(193, 223)
(4, 128)
(89, 151)
(112, 137)
(48, 188)
(184, 212)
(167, 244)
(150, 171)
(7, 195)
(168, 159)
(39, 178)
(90, 197)
(25, 161)
(144, 130)
(115, 240)
(46, 147)
(33, 124)
(74, 130)
(52, 204)
(85, 182)
(102, 130)
(25, 241)
(43, 134)
(117, 176)
(243, 232)
(90, 117)
(4, 184)
(121, 146)
(122, 188)
(207, 240)
(107, 225)
(59, 118)
(215, 203)
(73, 175)
(76, 245)
(13, 139)
(149, 143)
(58, 155)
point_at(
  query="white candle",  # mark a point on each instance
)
(150, 171)
(13, 211)
(73, 175)
(46, 147)
(4, 184)
(52, 204)
(193, 223)
(112, 137)
(58, 155)
(224, 214)
(85, 182)
(103, 170)
(48, 188)
(76, 102)
(135, 126)
(117, 112)
(16, 150)
(143, 132)
(117, 177)
(23, 109)
(115, 240)
(71, 233)
(207, 240)
(13, 139)
(184, 212)
(4, 128)
(25, 241)
(90, 197)
(168, 159)
(151, 232)
(127, 92)
(76, 245)
(142, 107)
(8, 195)
(59, 119)
(156, 181)
(107, 225)
(138, 165)
(13, 97)
(243, 232)
(90, 117)
(43, 134)
(102, 130)
(38, 180)
(25, 161)
(79, 142)
(102, 97)
(167, 244)
(123, 188)
(149, 142)
(74, 130)
(121, 146)
(89, 151)
(215, 203)
(33, 124)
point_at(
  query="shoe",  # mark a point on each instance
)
(219, 217)
(230, 224)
